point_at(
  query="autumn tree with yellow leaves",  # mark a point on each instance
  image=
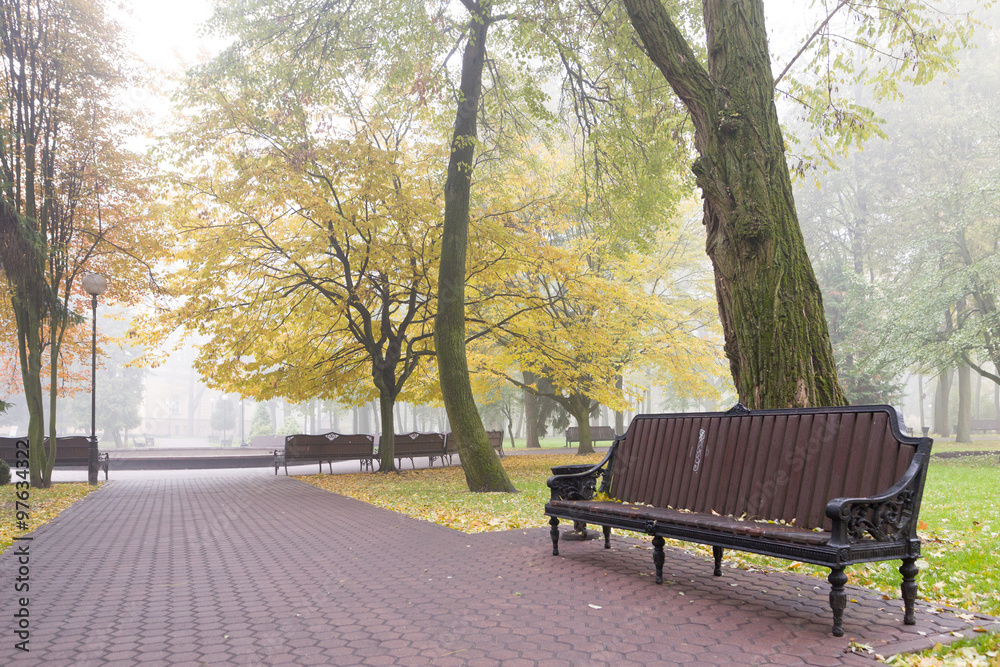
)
(601, 315)
(73, 199)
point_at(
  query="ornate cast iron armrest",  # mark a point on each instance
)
(582, 485)
(889, 517)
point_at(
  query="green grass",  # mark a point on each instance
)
(981, 651)
(440, 495)
(980, 443)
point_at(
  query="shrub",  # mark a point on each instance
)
(4, 473)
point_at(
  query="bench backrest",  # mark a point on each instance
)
(329, 446)
(596, 433)
(766, 464)
(419, 444)
(451, 444)
(70, 450)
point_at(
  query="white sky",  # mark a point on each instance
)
(164, 34)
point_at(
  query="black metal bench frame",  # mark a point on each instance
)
(862, 529)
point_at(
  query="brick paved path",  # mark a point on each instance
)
(257, 570)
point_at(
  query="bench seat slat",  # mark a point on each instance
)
(724, 524)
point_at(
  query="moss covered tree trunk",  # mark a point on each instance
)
(579, 406)
(770, 305)
(483, 471)
(387, 440)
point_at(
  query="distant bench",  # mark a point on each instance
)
(429, 445)
(328, 448)
(71, 452)
(985, 425)
(496, 441)
(597, 434)
(829, 486)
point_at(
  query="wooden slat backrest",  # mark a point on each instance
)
(70, 450)
(773, 464)
(354, 445)
(329, 446)
(596, 433)
(8, 451)
(419, 444)
(73, 449)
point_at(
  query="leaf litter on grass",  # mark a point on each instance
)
(43, 506)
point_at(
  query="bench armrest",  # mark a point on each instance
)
(888, 517)
(582, 485)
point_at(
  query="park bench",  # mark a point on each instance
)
(597, 434)
(496, 441)
(828, 486)
(411, 445)
(71, 452)
(328, 447)
(985, 425)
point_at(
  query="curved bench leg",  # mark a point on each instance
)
(607, 537)
(909, 571)
(717, 553)
(838, 599)
(658, 558)
(554, 532)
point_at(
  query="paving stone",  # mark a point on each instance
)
(161, 570)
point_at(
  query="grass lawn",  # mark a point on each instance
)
(43, 506)
(440, 495)
(960, 528)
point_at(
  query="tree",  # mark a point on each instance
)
(910, 257)
(120, 388)
(223, 416)
(483, 471)
(600, 316)
(311, 230)
(260, 424)
(71, 197)
(769, 301)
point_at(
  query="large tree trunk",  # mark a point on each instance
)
(942, 423)
(483, 471)
(579, 407)
(964, 426)
(769, 301)
(530, 412)
(387, 441)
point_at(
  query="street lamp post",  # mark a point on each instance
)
(95, 285)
